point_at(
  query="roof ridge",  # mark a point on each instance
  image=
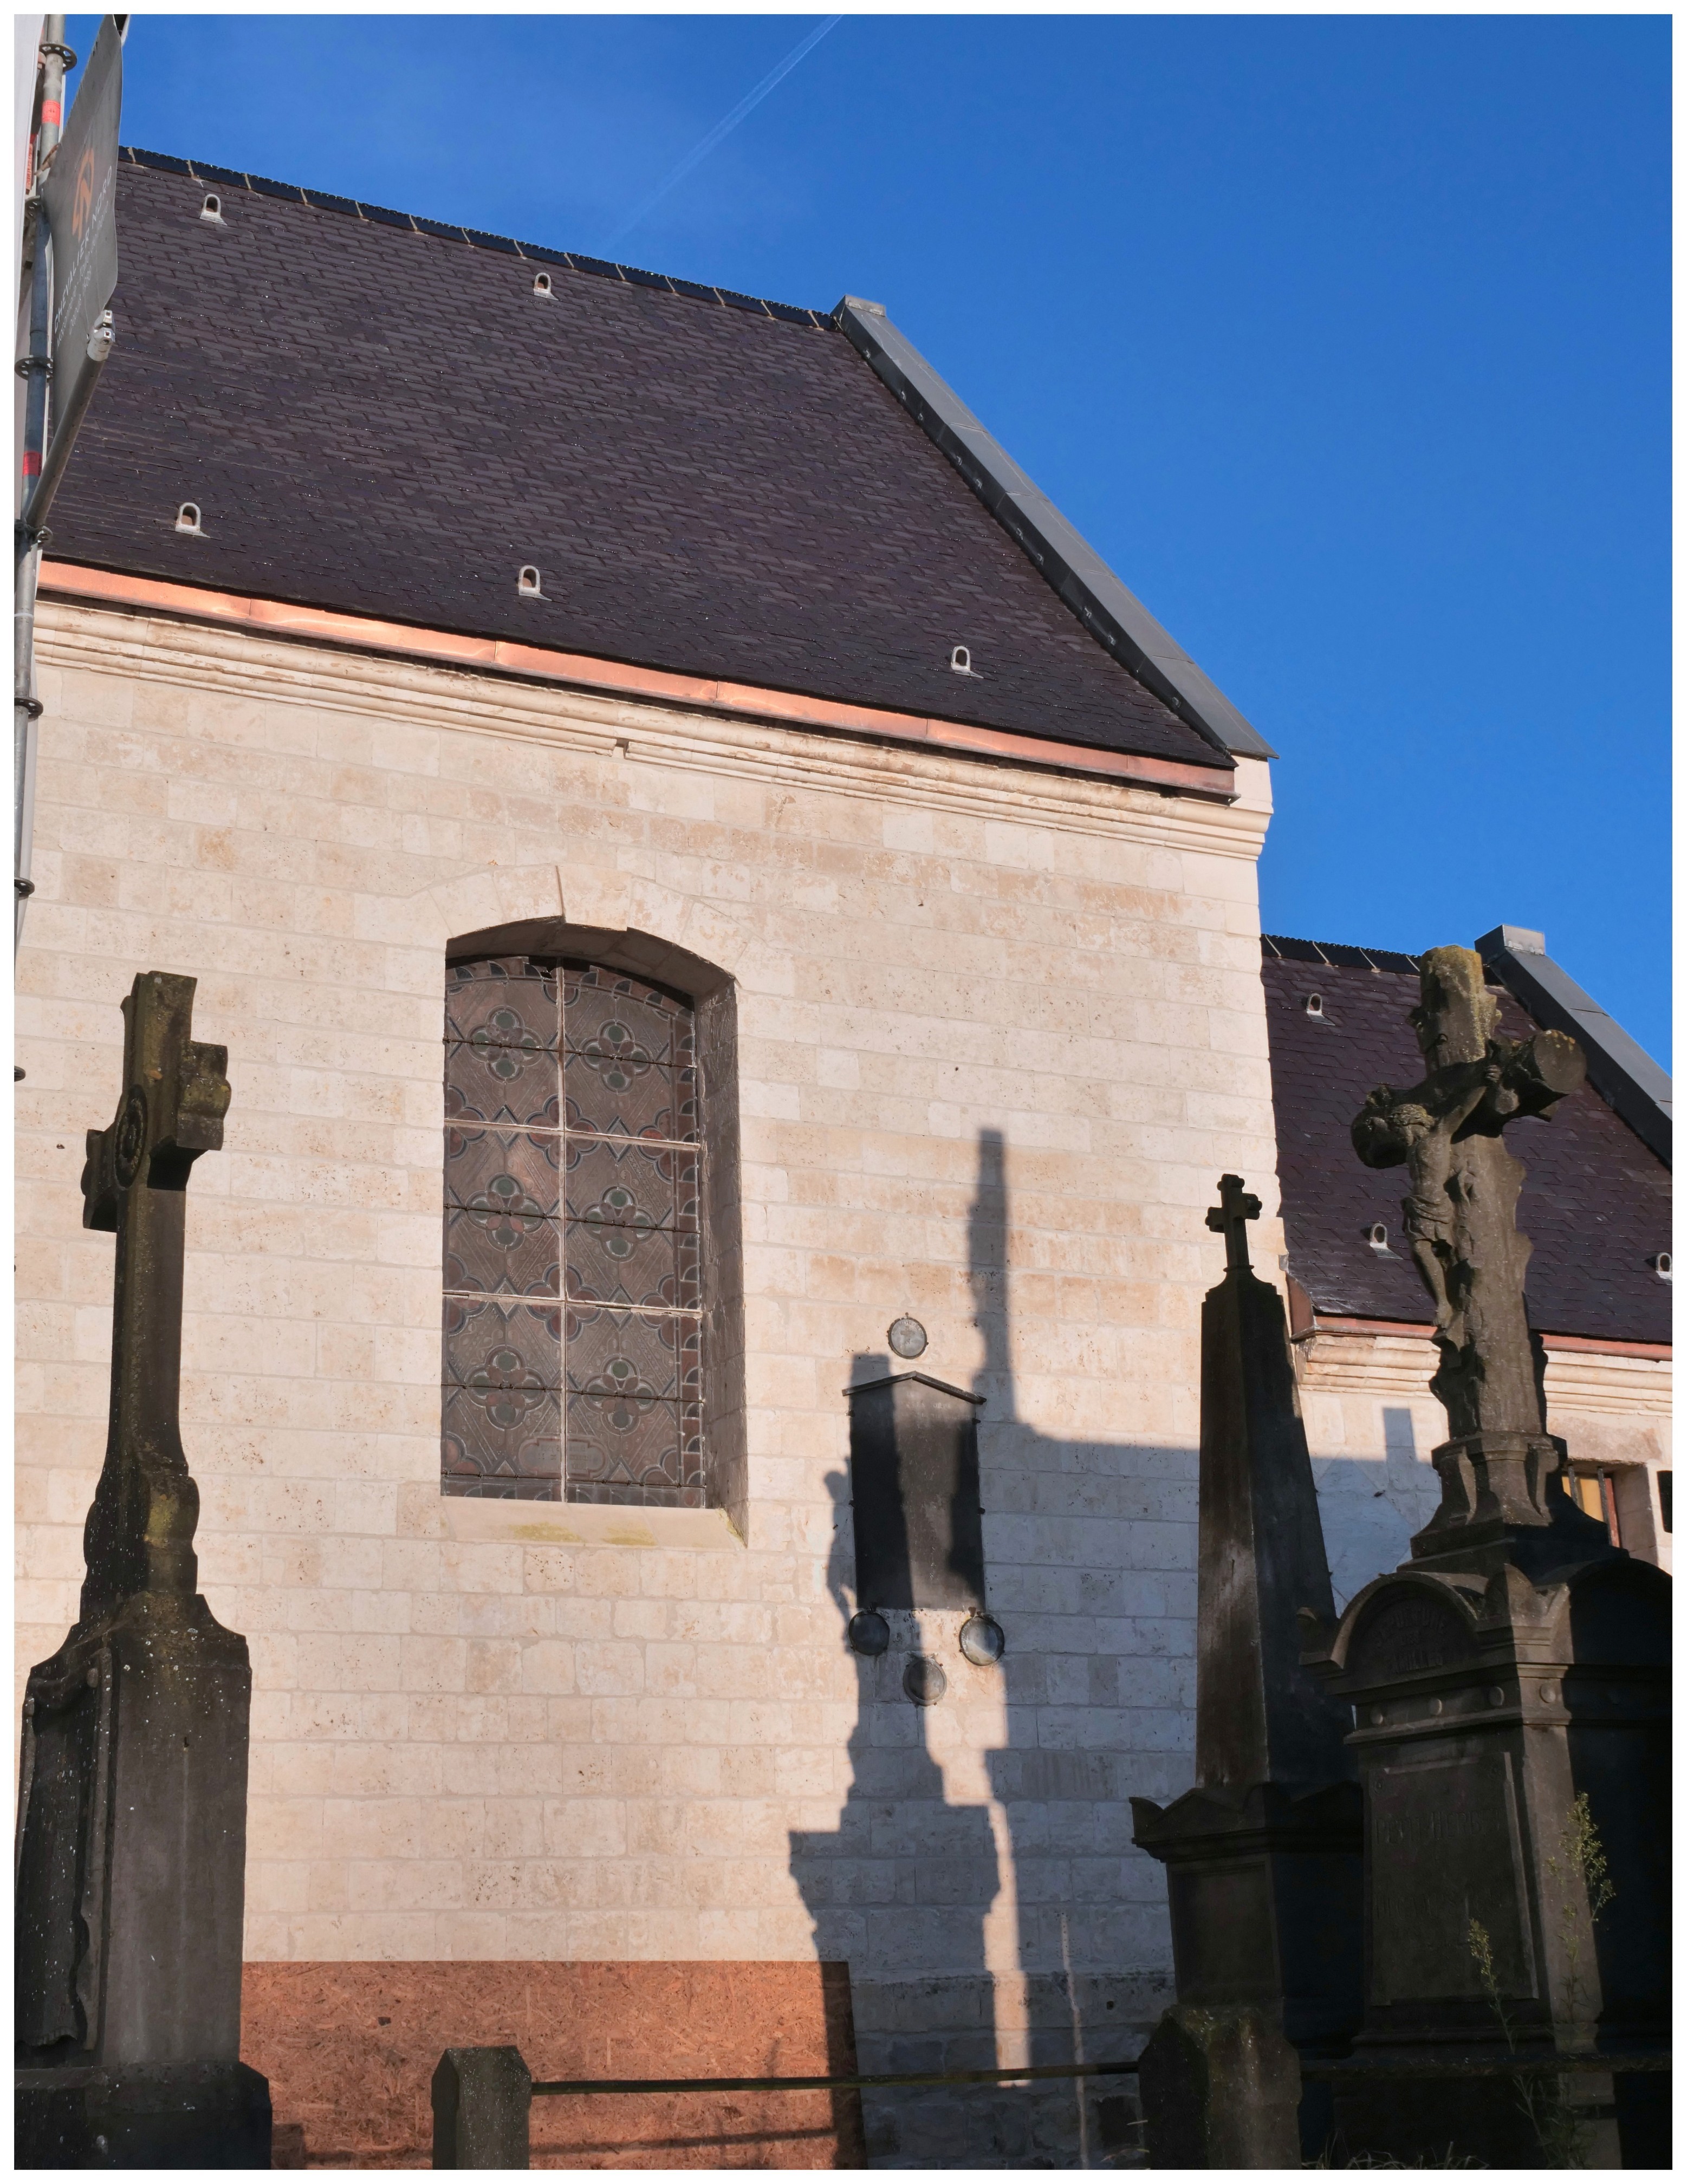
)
(479, 239)
(1337, 955)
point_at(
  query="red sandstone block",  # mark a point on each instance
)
(349, 2050)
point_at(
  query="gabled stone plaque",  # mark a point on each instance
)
(914, 1480)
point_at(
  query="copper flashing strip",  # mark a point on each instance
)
(619, 678)
(1591, 1343)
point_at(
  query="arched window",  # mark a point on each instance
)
(574, 1281)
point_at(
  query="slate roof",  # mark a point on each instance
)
(1595, 1204)
(376, 414)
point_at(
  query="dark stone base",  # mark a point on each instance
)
(189, 2115)
(1438, 2122)
(1219, 2090)
(1643, 2119)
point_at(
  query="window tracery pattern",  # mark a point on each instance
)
(573, 1304)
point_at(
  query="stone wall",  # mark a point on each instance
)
(1372, 1422)
(999, 1031)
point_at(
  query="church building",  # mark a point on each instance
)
(738, 944)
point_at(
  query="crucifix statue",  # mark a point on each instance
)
(1510, 1682)
(1459, 1214)
(132, 1821)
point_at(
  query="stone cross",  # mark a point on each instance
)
(1460, 1223)
(132, 1840)
(139, 1536)
(1229, 1217)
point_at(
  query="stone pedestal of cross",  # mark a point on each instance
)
(1262, 1856)
(133, 1822)
(1511, 1689)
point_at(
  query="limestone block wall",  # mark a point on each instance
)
(999, 1032)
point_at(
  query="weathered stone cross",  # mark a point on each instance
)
(140, 1530)
(1236, 1208)
(132, 1852)
(1498, 1463)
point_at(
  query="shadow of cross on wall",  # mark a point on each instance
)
(1090, 1562)
(901, 1887)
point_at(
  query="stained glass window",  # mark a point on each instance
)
(574, 1306)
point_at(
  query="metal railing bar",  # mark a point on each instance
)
(835, 2085)
(1504, 2066)
(1450, 2067)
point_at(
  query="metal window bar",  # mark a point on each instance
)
(694, 1148)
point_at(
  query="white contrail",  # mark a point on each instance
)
(724, 128)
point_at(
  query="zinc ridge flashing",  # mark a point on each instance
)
(372, 214)
(1066, 560)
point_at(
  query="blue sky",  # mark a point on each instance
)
(1344, 339)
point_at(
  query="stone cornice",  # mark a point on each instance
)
(1579, 1377)
(101, 637)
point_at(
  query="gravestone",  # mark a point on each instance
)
(1262, 1855)
(131, 1848)
(913, 1482)
(1510, 1683)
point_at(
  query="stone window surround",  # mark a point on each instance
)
(714, 994)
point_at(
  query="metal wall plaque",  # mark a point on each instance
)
(913, 1470)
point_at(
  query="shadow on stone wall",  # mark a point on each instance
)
(1091, 1554)
(901, 1888)
(1370, 1509)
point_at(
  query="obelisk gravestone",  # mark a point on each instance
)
(1262, 1855)
(133, 1808)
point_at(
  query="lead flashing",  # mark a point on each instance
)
(1114, 616)
(1618, 1067)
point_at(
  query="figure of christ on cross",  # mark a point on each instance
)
(1461, 1210)
(1427, 1208)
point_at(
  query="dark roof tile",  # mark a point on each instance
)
(389, 425)
(1596, 1203)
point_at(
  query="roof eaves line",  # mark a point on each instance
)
(1619, 1068)
(482, 239)
(293, 621)
(1070, 565)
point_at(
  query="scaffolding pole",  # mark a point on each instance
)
(35, 364)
